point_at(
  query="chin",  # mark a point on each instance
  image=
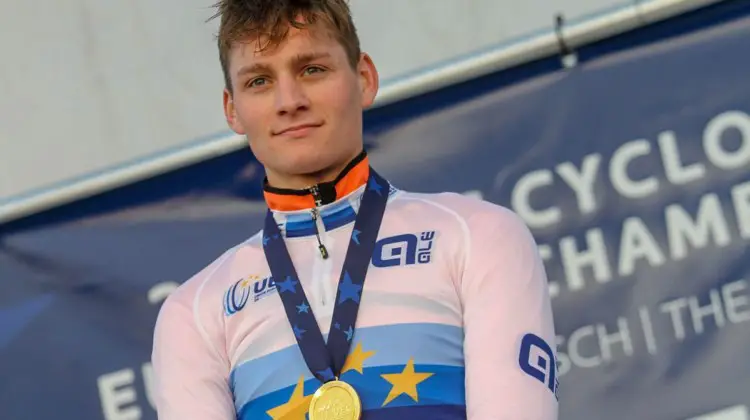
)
(310, 164)
(312, 159)
(312, 168)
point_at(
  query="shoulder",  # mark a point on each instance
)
(210, 280)
(473, 212)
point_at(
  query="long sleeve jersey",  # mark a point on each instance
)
(455, 319)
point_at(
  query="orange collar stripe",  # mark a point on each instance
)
(284, 202)
(353, 179)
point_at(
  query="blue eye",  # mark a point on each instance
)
(260, 81)
(313, 69)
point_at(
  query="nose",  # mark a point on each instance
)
(290, 97)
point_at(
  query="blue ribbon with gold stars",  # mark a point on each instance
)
(326, 360)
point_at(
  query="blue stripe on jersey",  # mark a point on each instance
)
(443, 391)
(393, 345)
(298, 225)
(445, 385)
(298, 230)
(339, 218)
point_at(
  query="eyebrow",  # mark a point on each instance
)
(297, 61)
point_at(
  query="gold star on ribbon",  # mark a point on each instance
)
(356, 359)
(297, 406)
(405, 382)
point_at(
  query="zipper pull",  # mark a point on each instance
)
(321, 247)
(315, 191)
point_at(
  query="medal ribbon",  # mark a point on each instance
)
(325, 360)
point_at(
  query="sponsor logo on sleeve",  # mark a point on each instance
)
(537, 360)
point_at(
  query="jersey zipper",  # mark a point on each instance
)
(322, 266)
(318, 221)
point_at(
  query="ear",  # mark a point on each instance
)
(230, 112)
(369, 80)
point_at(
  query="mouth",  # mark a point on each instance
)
(299, 130)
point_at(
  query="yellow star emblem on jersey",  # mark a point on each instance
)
(248, 279)
(297, 406)
(356, 359)
(405, 382)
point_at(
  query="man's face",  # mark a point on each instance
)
(300, 103)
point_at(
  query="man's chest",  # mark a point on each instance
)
(406, 346)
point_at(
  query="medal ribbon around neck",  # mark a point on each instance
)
(325, 360)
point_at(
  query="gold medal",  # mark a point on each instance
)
(335, 400)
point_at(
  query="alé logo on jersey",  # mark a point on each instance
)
(406, 249)
(237, 296)
(537, 360)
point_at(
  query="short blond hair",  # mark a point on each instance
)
(271, 19)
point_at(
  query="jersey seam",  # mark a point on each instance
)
(462, 222)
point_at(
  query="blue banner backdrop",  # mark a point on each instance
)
(632, 169)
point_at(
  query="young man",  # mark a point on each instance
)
(357, 300)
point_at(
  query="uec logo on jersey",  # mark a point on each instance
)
(538, 361)
(238, 295)
(406, 249)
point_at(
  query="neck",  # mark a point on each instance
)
(302, 181)
(319, 189)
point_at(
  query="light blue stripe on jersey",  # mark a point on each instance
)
(302, 224)
(339, 217)
(298, 225)
(444, 386)
(334, 216)
(394, 345)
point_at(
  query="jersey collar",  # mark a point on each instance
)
(349, 180)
